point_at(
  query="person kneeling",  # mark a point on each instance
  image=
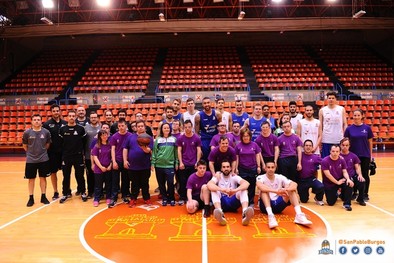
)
(276, 193)
(228, 194)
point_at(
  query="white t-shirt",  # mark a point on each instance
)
(332, 124)
(279, 182)
(310, 131)
(187, 116)
(226, 119)
(230, 182)
(294, 121)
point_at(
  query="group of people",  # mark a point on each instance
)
(209, 157)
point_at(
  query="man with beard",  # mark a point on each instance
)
(295, 117)
(239, 116)
(226, 116)
(81, 116)
(267, 117)
(308, 129)
(254, 122)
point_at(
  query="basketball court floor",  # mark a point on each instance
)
(78, 232)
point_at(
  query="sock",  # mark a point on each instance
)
(269, 211)
(297, 209)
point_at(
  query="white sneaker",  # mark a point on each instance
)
(319, 202)
(219, 216)
(247, 216)
(302, 220)
(272, 223)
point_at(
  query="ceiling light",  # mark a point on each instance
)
(103, 3)
(48, 3)
(359, 14)
(241, 15)
(162, 18)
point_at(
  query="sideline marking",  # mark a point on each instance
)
(380, 209)
(204, 240)
(31, 212)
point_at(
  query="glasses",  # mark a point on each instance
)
(221, 125)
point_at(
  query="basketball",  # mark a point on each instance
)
(143, 139)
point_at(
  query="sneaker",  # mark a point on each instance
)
(247, 216)
(361, 202)
(206, 211)
(112, 204)
(63, 199)
(95, 203)
(125, 200)
(84, 197)
(164, 203)
(354, 196)
(302, 220)
(148, 202)
(347, 207)
(44, 200)
(219, 216)
(181, 202)
(30, 202)
(55, 196)
(272, 223)
(321, 203)
(132, 203)
(172, 203)
(108, 201)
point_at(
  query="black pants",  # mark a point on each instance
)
(140, 180)
(250, 176)
(365, 172)
(120, 180)
(90, 176)
(332, 196)
(305, 184)
(163, 176)
(79, 168)
(183, 177)
(360, 187)
(98, 187)
(288, 167)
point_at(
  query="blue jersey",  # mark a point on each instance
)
(208, 125)
(240, 119)
(255, 127)
(178, 116)
(272, 122)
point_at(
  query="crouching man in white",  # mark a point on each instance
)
(228, 193)
(276, 193)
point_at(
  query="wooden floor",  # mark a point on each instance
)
(51, 233)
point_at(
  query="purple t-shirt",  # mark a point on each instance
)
(231, 140)
(335, 167)
(118, 140)
(217, 156)
(104, 156)
(177, 135)
(288, 145)
(267, 145)
(310, 164)
(247, 154)
(189, 148)
(195, 182)
(359, 136)
(237, 138)
(351, 159)
(138, 159)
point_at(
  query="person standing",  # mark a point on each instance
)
(189, 153)
(55, 148)
(248, 162)
(122, 114)
(35, 142)
(269, 145)
(140, 117)
(190, 113)
(222, 132)
(254, 122)
(361, 136)
(198, 194)
(308, 175)
(226, 116)
(81, 116)
(308, 129)
(295, 117)
(290, 153)
(239, 116)
(165, 162)
(137, 160)
(74, 139)
(169, 117)
(236, 132)
(335, 177)
(332, 123)
(108, 118)
(91, 129)
(101, 155)
(228, 193)
(267, 117)
(207, 121)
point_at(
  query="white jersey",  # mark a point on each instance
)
(227, 182)
(310, 131)
(226, 119)
(279, 182)
(187, 116)
(332, 124)
(294, 120)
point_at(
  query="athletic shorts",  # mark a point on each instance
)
(198, 199)
(277, 205)
(32, 168)
(230, 204)
(55, 161)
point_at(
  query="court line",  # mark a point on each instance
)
(204, 240)
(380, 209)
(30, 213)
